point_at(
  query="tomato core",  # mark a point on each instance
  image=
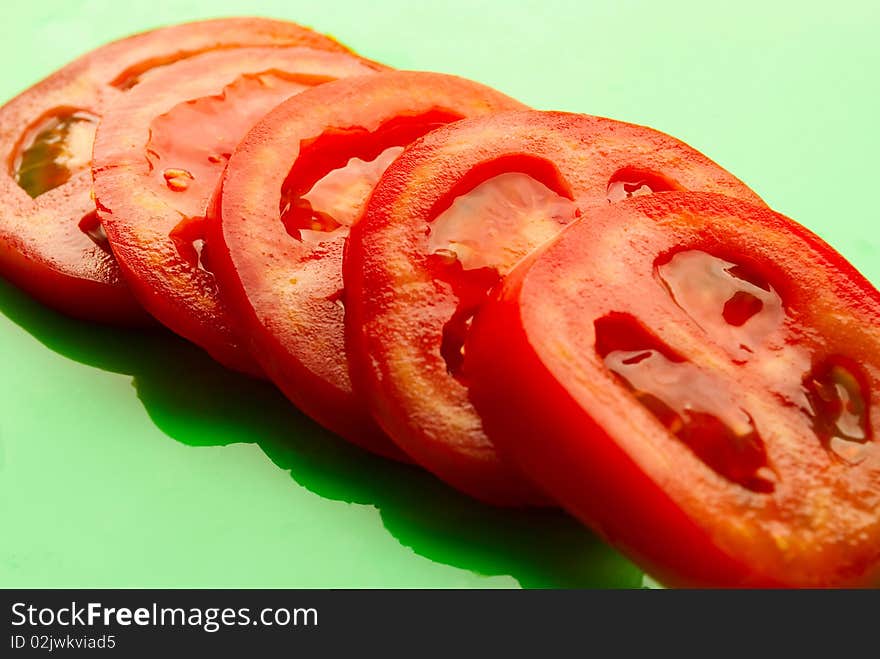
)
(190, 144)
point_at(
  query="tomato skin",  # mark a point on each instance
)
(42, 249)
(284, 291)
(91, 289)
(586, 440)
(144, 137)
(397, 308)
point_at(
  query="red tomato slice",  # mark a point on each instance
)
(697, 379)
(450, 217)
(159, 154)
(51, 243)
(292, 189)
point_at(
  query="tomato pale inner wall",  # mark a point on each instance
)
(498, 222)
(55, 149)
(334, 203)
(335, 173)
(481, 236)
(486, 231)
(736, 308)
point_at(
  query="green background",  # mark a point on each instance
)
(129, 459)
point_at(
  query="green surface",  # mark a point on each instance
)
(129, 459)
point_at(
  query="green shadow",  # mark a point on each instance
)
(199, 403)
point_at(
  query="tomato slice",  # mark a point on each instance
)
(51, 243)
(159, 154)
(696, 378)
(292, 189)
(449, 218)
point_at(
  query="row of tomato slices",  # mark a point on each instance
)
(683, 369)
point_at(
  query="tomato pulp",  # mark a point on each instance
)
(450, 217)
(292, 189)
(696, 378)
(51, 243)
(159, 154)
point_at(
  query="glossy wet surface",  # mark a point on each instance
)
(190, 144)
(741, 312)
(90, 225)
(734, 307)
(479, 239)
(697, 406)
(334, 203)
(53, 150)
(498, 222)
(838, 408)
(334, 173)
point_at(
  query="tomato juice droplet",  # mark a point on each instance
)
(736, 308)
(838, 403)
(693, 404)
(177, 179)
(631, 182)
(499, 221)
(53, 150)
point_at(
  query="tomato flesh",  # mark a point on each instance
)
(49, 243)
(159, 155)
(293, 189)
(696, 378)
(446, 222)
